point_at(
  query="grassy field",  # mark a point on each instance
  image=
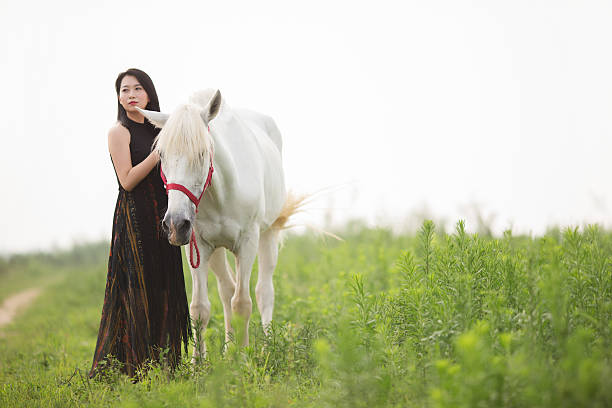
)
(427, 320)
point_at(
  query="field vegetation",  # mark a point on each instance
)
(430, 319)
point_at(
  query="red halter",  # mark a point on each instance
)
(196, 201)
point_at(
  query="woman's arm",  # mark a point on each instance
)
(119, 148)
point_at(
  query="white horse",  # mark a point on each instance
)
(243, 210)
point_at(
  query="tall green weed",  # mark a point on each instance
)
(426, 320)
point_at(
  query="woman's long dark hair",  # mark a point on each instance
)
(148, 86)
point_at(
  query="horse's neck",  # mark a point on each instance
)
(226, 171)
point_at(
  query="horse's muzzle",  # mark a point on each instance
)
(178, 229)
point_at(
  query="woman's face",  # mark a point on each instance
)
(132, 94)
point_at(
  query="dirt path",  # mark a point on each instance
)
(13, 304)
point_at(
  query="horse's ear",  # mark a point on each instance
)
(157, 118)
(213, 107)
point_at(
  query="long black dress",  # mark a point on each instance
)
(145, 304)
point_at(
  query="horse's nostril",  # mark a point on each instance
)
(165, 226)
(183, 227)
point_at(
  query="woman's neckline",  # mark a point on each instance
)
(144, 122)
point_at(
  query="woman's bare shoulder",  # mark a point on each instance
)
(118, 131)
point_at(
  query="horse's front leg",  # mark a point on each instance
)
(241, 301)
(226, 286)
(200, 304)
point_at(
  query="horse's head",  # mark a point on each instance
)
(186, 150)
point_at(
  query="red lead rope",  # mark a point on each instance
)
(196, 201)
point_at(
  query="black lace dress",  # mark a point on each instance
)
(145, 304)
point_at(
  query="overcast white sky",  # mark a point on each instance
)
(410, 107)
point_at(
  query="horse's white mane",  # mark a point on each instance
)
(185, 134)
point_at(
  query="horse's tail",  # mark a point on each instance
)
(293, 204)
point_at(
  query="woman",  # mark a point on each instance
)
(145, 305)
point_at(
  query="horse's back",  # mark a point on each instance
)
(252, 119)
(265, 123)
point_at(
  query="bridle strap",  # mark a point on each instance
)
(175, 186)
(193, 243)
(179, 187)
(194, 200)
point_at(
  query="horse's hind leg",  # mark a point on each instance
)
(264, 291)
(225, 284)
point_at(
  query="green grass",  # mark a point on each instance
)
(427, 320)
